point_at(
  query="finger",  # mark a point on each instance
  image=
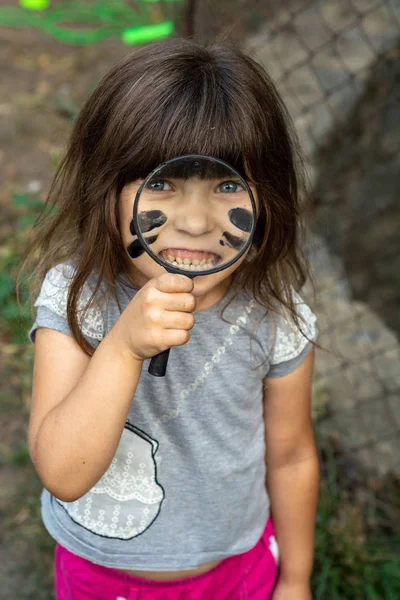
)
(177, 320)
(172, 282)
(182, 302)
(176, 337)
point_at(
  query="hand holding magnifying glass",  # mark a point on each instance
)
(194, 215)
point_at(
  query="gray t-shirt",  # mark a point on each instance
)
(187, 483)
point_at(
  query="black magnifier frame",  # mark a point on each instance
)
(158, 363)
(172, 268)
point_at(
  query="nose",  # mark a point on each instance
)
(194, 216)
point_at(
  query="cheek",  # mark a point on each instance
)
(135, 249)
(144, 268)
(241, 218)
(125, 219)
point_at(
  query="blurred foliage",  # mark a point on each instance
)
(15, 319)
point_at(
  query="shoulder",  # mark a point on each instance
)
(54, 295)
(291, 338)
(55, 288)
(279, 342)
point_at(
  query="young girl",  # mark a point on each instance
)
(157, 488)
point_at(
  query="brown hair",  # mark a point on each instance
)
(168, 99)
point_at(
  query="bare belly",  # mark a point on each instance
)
(171, 575)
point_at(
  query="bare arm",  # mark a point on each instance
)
(80, 404)
(292, 472)
(79, 408)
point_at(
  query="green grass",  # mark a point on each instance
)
(352, 561)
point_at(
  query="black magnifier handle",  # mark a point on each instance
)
(158, 364)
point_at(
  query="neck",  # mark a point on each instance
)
(215, 295)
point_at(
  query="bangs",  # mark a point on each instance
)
(205, 113)
(207, 138)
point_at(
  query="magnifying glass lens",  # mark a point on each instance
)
(194, 215)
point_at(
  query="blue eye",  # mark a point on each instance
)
(159, 186)
(229, 187)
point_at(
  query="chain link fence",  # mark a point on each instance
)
(336, 65)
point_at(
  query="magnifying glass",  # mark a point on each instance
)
(194, 215)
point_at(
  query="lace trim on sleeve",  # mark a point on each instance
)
(289, 340)
(54, 295)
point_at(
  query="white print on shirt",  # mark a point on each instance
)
(289, 343)
(127, 499)
(208, 366)
(289, 340)
(54, 295)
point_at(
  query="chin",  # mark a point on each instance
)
(205, 283)
(200, 286)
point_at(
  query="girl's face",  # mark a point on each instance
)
(194, 224)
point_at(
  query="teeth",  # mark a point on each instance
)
(196, 265)
(191, 265)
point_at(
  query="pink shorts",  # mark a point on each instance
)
(248, 576)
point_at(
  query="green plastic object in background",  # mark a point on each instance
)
(141, 35)
(35, 4)
(80, 23)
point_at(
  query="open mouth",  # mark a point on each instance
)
(192, 260)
